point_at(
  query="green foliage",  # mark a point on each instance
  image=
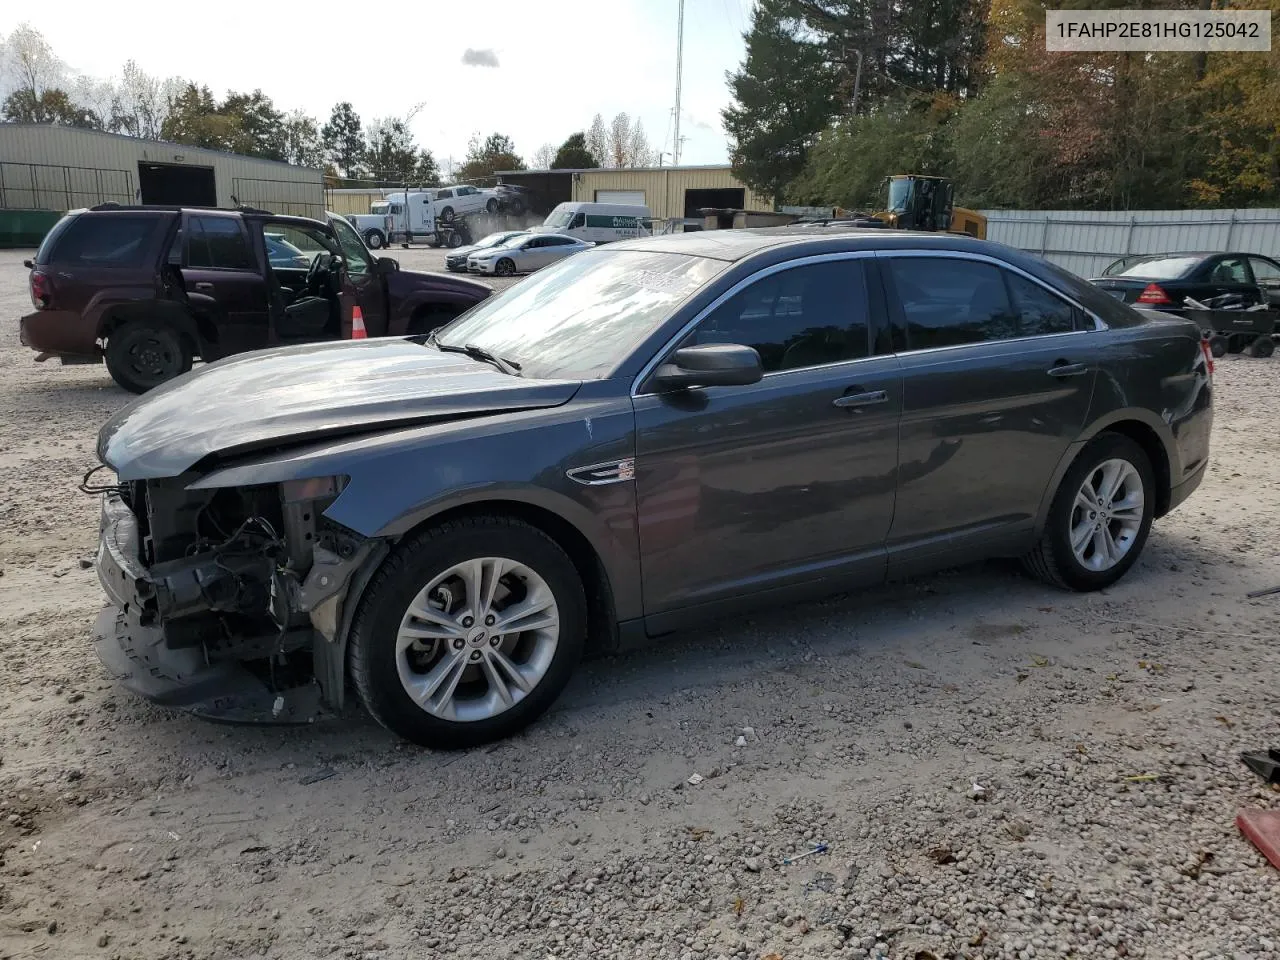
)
(343, 140)
(495, 152)
(574, 155)
(784, 94)
(426, 172)
(391, 154)
(51, 105)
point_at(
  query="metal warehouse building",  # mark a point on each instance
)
(667, 191)
(46, 170)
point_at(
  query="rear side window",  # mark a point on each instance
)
(1039, 311)
(948, 301)
(1159, 268)
(218, 243)
(803, 317)
(110, 240)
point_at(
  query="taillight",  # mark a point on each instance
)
(1208, 355)
(41, 293)
(1154, 293)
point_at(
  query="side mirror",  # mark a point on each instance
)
(709, 365)
(29, 264)
(387, 265)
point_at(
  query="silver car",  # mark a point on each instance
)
(456, 261)
(524, 254)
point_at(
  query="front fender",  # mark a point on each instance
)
(398, 480)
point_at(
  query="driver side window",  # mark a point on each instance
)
(358, 260)
(806, 316)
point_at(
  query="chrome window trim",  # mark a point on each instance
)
(1098, 322)
(742, 284)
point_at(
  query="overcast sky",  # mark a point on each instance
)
(536, 70)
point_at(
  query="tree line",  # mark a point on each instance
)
(835, 95)
(42, 89)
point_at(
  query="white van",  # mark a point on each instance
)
(598, 222)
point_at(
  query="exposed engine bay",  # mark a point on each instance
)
(231, 598)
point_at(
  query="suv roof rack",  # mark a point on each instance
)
(241, 208)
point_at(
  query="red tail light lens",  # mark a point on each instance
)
(1208, 355)
(1154, 293)
(41, 292)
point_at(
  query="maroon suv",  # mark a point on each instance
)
(149, 289)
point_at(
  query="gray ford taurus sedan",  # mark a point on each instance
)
(646, 434)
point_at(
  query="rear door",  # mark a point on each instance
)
(224, 280)
(998, 373)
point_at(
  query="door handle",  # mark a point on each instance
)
(861, 399)
(204, 285)
(1068, 370)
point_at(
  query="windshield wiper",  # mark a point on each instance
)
(477, 352)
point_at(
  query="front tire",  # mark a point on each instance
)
(426, 654)
(1100, 517)
(492, 206)
(375, 239)
(504, 268)
(141, 355)
(447, 214)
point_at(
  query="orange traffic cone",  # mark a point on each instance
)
(358, 332)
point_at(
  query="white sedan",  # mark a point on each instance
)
(524, 254)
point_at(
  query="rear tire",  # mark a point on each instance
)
(1218, 345)
(455, 240)
(142, 355)
(464, 709)
(1263, 347)
(1055, 559)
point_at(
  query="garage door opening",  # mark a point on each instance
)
(635, 197)
(733, 198)
(170, 183)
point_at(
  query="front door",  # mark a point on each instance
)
(366, 283)
(785, 481)
(224, 281)
(998, 375)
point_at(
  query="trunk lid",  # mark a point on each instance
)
(295, 394)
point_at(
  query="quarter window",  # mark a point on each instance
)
(218, 243)
(1039, 311)
(948, 301)
(108, 240)
(802, 317)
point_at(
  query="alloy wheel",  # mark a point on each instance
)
(477, 639)
(1106, 518)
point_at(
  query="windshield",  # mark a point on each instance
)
(581, 318)
(493, 239)
(899, 195)
(1159, 268)
(558, 218)
(379, 207)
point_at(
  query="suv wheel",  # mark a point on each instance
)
(142, 355)
(1100, 517)
(375, 239)
(468, 632)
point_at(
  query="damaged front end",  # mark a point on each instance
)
(230, 603)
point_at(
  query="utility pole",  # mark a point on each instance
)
(675, 150)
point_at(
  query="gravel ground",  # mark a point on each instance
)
(1000, 770)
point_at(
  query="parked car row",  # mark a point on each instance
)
(645, 435)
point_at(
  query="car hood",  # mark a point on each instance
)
(296, 394)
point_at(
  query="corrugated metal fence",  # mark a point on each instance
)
(1086, 241)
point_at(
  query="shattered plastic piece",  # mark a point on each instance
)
(977, 791)
(1262, 829)
(1265, 763)
(277, 707)
(695, 779)
(740, 742)
(819, 848)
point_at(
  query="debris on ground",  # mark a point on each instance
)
(1265, 763)
(1262, 829)
(818, 848)
(694, 779)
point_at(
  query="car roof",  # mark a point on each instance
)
(734, 245)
